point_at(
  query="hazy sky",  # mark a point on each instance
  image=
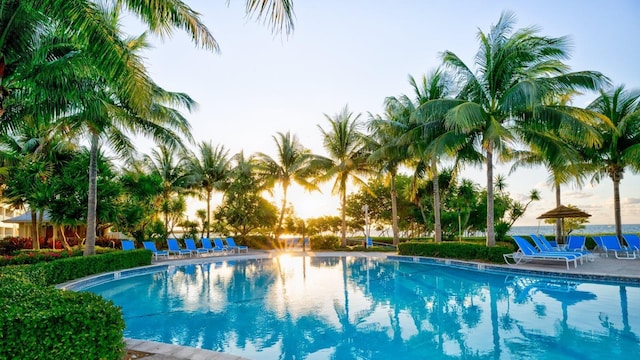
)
(356, 53)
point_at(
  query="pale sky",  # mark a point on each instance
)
(356, 53)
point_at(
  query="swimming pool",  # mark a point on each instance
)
(370, 308)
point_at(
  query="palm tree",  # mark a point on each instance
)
(210, 172)
(430, 140)
(515, 71)
(549, 147)
(173, 170)
(294, 163)
(387, 150)
(347, 150)
(621, 140)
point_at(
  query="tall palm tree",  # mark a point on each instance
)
(621, 140)
(430, 140)
(515, 70)
(210, 171)
(348, 153)
(172, 168)
(293, 163)
(388, 152)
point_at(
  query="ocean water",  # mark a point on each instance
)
(547, 229)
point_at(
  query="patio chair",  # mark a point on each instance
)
(231, 244)
(206, 244)
(633, 241)
(611, 243)
(128, 245)
(369, 242)
(220, 246)
(527, 252)
(174, 248)
(598, 241)
(191, 246)
(151, 246)
(576, 243)
(542, 244)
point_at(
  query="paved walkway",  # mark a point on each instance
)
(601, 268)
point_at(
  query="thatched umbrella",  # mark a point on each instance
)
(562, 212)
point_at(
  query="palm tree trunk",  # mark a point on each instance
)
(344, 216)
(208, 212)
(616, 206)
(92, 201)
(437, 236)
(35, 242)
(558, 221)
(282, 210)
(491, 236)
(394, 209)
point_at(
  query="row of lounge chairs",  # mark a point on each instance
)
(574, 250)
(219, 246)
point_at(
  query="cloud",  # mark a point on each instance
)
(630, 201)
(578, 195)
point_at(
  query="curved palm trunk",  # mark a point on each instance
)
(282, 210)
(394, 209)
(558, 221)
(616, 204)
(344, 216)
(92, 199)
(437, 235)
(491, 236)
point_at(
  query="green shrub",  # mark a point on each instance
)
(38, 321)
(41, 322)
(324, 242)
(457, 250)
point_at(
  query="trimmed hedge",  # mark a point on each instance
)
(450, 250)
(38, 321)
(45, 323)
(59, 271)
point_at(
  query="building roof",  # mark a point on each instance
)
(26, 218)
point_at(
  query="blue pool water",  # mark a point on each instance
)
(368, 308)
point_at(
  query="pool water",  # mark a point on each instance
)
(369, 308)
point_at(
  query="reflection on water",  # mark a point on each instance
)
(364, 308)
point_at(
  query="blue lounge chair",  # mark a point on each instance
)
(191, 246)
(151, 246)
(528, 252)
(220, 246)
(598, 241)
(369, 242)
(611, 243)
(576, 243)
(231, 244)
(206, 244)
(633, 241)
(174, 248)
(128, 245)
(544, 246)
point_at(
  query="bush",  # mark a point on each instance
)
(39, 322)
(324, 242)
(8, 246)
(462, 251)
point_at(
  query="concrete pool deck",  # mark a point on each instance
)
(601, 269)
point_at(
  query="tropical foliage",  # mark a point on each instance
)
(58, 92)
